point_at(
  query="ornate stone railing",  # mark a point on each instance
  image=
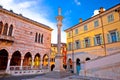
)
(26, 70)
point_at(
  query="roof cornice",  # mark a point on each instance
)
(93, 18)
(19, 16)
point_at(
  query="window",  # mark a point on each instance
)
(77, 44)
(36, 37)
(113, 36)
(10, 30)
(96, 23)
(76, 31)
(110, 18)
(69, 46)
(39, 38)
(42, 39)
(85, 28)
(5, 29)
(69, 34)
(97, 40)
(86, 42)
(1, 26)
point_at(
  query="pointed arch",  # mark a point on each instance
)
(42, 38)
(36, 37)
(3, 59)
(5, 29)
(45, 60)
(1, 27)
(16, 59)
(27, 59)
(37, 60)
(39, 38)
(10, 30)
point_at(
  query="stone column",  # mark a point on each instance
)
(32, 62)
(49, 61)
(21, 64)
(8, 64)
(41, 63)
(59, 56)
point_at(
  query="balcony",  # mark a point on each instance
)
(6, 38)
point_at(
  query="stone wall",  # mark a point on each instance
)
(104, 67)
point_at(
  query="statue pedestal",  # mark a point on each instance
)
(59, 63)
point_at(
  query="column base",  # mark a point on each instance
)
(59, 63)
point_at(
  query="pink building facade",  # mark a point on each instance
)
(23, 42)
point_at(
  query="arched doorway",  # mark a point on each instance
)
(27, 59)
(69, 63)
(78, 65)
(87, 59)
(37, 60)
(16, 59)
(45, 60)
(52, 67)
(3, 59)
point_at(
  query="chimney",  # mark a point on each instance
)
(80, 20)
(101, 10)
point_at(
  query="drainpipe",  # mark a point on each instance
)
(73, 62)
(104, 43)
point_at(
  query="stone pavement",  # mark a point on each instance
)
(74, 77)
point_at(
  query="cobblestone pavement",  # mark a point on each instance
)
(42, 77)
(24, 77)
(74, 77)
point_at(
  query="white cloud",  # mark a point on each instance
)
(25, 9)
(97, 12)
(26, 4)
(77, 2)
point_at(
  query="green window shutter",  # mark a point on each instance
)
(108, 37)
(101, 39)
(94, 40)
(84, 43)
(118, 36)
(89, 42)
(74, 45)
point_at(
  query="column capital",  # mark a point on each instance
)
(10, 56)
(22, 57)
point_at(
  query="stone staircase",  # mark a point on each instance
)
(3, 73)
(61, 74)
(78, 77)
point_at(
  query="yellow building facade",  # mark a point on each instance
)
(96, 36)
(51, 60)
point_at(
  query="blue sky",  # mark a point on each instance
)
(45, 11)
